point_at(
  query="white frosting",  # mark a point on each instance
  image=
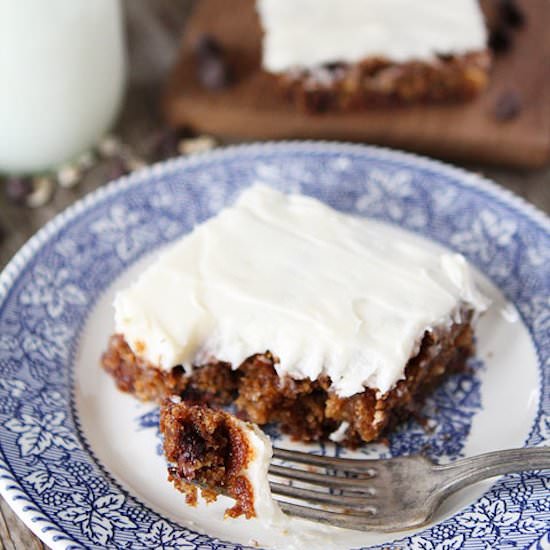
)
(326, 292)
(266, 508)
(338, 435)
(309, 33)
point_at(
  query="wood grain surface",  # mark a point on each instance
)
(251, 108)
(14, 535)
(154, 32)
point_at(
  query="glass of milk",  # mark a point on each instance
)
(62, 78)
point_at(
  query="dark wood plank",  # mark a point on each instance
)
(251, 108)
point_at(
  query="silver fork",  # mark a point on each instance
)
(386, 494)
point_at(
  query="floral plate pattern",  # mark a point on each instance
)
(51, 476)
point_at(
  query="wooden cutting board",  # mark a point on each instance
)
(252, 109)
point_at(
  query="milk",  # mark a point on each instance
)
(62, 75)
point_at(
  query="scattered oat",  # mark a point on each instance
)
(196, 145)
(109, 146)
(42, 192)
(68, 175)
(134, 163)
(86, 160)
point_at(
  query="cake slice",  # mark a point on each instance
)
(221, 455)
(328, 324)
(328, 54)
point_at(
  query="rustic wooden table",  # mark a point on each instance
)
(154, 30)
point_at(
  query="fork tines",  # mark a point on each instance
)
(328, 484)
(348, 465)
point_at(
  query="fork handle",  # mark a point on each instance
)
(470, 470)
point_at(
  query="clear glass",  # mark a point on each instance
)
(62, 79)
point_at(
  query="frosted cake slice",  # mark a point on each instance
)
(331, 55)
(328, 324)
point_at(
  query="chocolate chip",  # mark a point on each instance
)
(207, 45)
(17, 188)
(508, 106)
(511, 14)
(499, 40)
(334, 66)
(212, 69)
(194, 448)
(118, 168)
(213, 73)
(165, 144)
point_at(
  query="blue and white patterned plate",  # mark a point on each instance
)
(79, 461)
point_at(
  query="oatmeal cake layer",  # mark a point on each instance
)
(307, 410)
(219, 454)
(378, 82)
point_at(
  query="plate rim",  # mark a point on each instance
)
(10, 488)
